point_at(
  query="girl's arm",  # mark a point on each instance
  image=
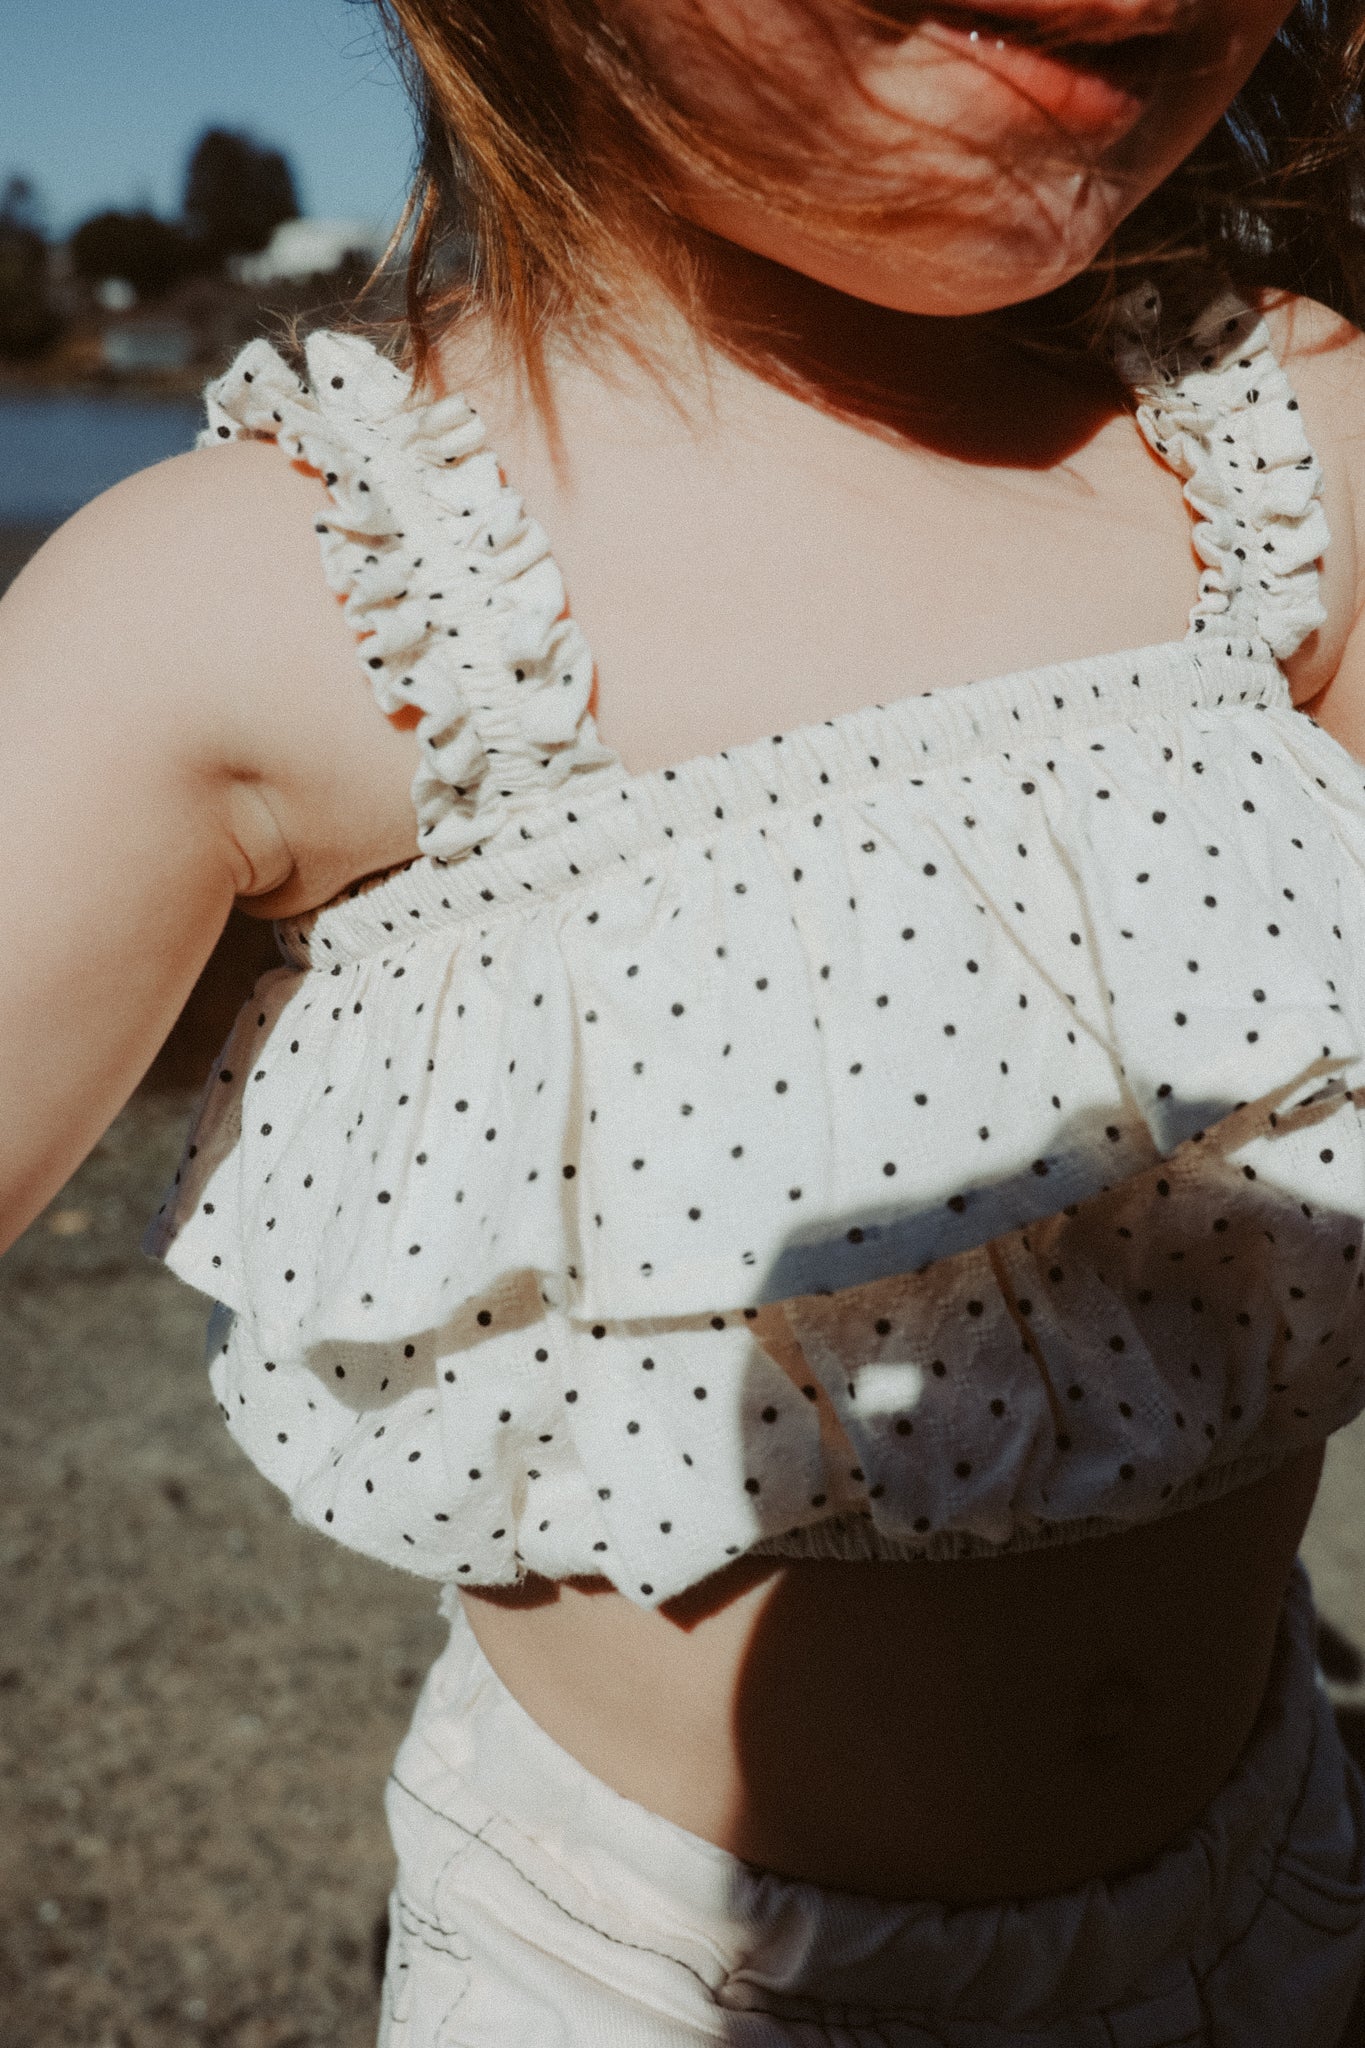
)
(182, 723)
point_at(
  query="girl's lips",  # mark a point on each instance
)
(1095, 90)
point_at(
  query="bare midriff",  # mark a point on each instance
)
(983, 1729)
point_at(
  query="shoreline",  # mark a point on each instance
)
(165, 385)
(164, 389)
(50, 480)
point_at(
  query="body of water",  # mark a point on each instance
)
(59, 450)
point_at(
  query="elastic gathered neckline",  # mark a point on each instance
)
(585, 837)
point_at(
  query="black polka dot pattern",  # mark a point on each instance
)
(926, 1129)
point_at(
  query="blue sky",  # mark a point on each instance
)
(101, 100)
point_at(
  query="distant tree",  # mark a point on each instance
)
(28, 320)
(20, 205)
(236, 193)
(152, 254)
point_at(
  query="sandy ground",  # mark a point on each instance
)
(198, 1698)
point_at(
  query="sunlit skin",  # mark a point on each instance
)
(883, 496)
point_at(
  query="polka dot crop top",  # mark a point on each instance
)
(925, 1132)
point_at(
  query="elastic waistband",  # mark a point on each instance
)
(474, 1758)
(580, 835)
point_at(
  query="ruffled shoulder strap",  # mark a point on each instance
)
(1216, 406)
(457, 605)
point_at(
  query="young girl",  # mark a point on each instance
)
(805, 1162)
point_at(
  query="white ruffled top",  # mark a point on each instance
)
(925, 1131)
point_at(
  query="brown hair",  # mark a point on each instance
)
(548, 145)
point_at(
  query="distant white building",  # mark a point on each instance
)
(115, 294)
(307, 248)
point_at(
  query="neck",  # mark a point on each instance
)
(969, 386)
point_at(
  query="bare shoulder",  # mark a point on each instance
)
(191, 597)
(196, 570)
(1312, 339)
(1323, 356)
(183, 559)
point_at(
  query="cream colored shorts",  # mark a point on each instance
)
(537, 1908)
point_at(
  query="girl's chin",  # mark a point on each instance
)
(966, 239)
(954, 276)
